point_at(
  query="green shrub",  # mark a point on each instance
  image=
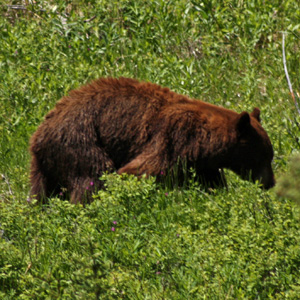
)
(140, 239)
(289, 184)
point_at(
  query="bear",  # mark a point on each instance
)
(128, 126)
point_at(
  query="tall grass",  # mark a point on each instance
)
(139, 239)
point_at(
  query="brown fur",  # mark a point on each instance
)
(135, 127)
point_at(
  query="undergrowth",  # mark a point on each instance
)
(139, 239)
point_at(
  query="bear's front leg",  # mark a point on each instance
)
(145, 163)
(212, 178)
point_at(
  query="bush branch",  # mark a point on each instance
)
(287, 74)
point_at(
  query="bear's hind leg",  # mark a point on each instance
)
(87, 172)
(82, 190)
(38, 186)
(42, 188)
(42, 185)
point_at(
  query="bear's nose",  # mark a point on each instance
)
(267, 178)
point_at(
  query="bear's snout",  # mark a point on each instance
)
(266, 177)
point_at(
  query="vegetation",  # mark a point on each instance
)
(289, 184)
(139, 239)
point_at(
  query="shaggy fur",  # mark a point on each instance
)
(139, 128)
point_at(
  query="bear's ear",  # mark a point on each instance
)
(242, 122)
(256, 114)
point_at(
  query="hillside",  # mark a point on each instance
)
(140, 239)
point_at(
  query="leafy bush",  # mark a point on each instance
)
(140, 239)
(289, 184)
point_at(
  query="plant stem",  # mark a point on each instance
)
(287, 74)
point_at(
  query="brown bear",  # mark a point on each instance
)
(134, 127)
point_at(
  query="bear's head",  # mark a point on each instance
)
(252, 150)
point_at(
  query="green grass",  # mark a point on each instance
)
(240, 243)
